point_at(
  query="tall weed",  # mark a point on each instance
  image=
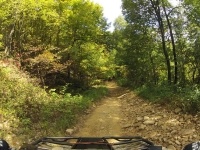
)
(38, 113)
(187, 98)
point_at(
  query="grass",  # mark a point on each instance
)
(186, 98)
(30, 112)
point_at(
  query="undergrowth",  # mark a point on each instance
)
(186, 98)
(29, 110)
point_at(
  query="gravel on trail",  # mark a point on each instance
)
(123, 113)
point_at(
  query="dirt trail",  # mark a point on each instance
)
(105, 119)
(124, 113)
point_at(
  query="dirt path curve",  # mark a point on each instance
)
(105, 119)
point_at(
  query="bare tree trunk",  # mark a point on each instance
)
(156, 7)
(9, 42)
(155, 76)
(173, 46)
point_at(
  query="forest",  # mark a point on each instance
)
(154, 50)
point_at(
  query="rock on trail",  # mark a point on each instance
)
(169, 128)
(122, 113)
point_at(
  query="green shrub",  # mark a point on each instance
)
(186, 98)
(123, 82)
(95, 93)
(156, 93)
(38, 113)
(190, 99)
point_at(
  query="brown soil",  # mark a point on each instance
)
(105, 117)
(122, 113)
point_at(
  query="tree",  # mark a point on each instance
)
(159, 17)
(192, 13)
(134, 48)
(57, 39)
(157, 8)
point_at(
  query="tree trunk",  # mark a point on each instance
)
(156, 8)
(173, 47)
(9, 41)
(155, 76)
(58, 38)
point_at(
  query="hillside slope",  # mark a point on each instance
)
(28, 111)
